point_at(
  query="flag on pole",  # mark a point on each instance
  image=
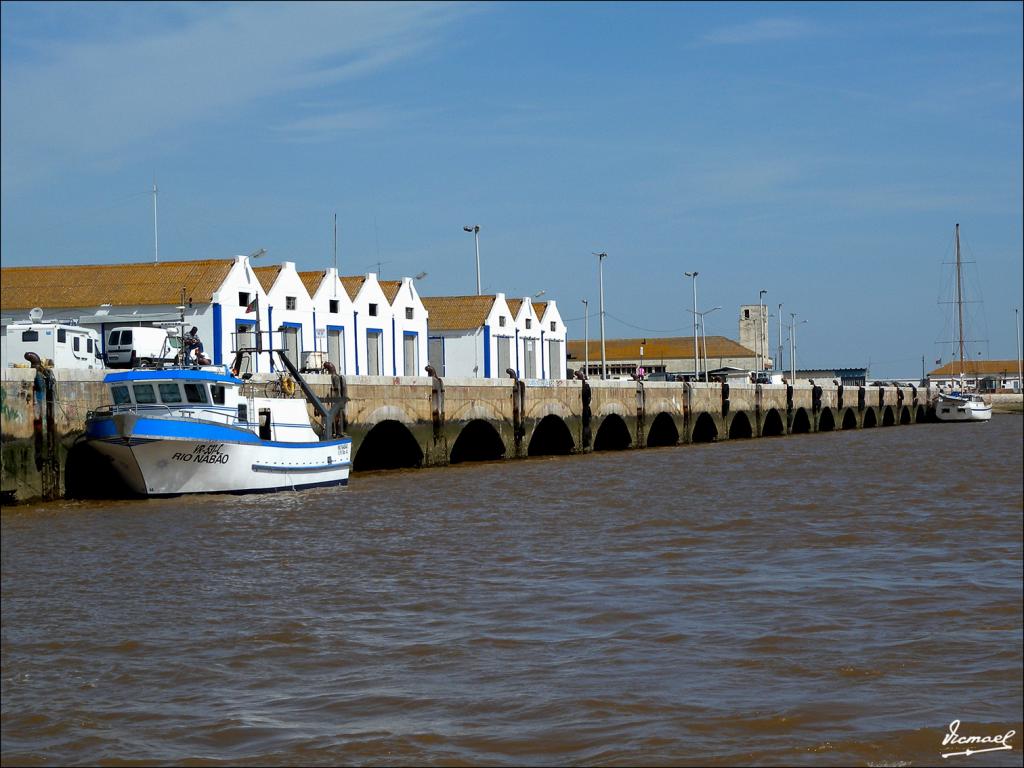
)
(251, 307)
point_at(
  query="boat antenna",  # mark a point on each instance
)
(156, 239)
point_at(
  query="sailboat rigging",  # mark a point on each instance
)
(963, 404)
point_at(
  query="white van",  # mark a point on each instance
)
(68, 346)
(140, 346)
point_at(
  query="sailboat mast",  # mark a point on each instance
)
(960, 304)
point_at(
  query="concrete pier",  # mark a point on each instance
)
(418, 421)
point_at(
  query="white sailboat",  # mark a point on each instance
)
(961, 404)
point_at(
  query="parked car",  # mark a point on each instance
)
(141, 346)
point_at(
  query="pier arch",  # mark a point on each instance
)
(739, 427)
(773, 426)
(870, 420)
(389, 445)
(888, 417)
(922, 415)
(905, 415)
(704, 430)
(478, 441)
(801, 423)
(849, 419)
(551, 437)
(613, 434)
(663, 432)
(826, 421)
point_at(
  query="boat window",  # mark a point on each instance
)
(170, 392)
(62, 335)
(121, 395)
(196, 393)
(30, 335)
(144, 393)
(217, 392)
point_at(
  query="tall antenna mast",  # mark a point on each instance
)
(959, 303)
(335, 253)
(156, 239)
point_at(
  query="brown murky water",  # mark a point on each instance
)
(822, 599)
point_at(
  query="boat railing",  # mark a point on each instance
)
(198, 414)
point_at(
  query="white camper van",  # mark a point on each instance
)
(68, 346)
(140, 346)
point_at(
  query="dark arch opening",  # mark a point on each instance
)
(826, 422)
(870, 420)
(740, 427)
(551, 437)
(801, 424)
(905, 415)
(704, 431)
(922, 414)
(888, 417)
(389, 445)
(663, 432)
(478, 441)
(849, 419)
(613, 434)
(773, 426)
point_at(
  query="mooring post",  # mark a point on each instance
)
(585, 395)
(641, 415)
(518, 407)
(436, 405)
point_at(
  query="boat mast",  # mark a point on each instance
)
(960, 306)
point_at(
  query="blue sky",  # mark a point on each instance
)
(820, 152)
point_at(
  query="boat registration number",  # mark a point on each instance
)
(204, 453)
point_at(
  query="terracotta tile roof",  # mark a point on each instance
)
(539, 308)
(514, 305)
(352, 285)
(457, 313)
(89, 285)
(390, 288)
(312, 280)
(677, 348)
(973, 367)
(267, 276)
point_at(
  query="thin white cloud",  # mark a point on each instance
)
(93, 102)
(760, 31)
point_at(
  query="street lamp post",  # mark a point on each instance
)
(792, 343)
(586, 336)
(704, 338)
(600, 271)
(762, 337)
(475, 229)
(696, 351)
(779, 364)
(1016, 327)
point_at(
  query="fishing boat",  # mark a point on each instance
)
(962, 404)
(201, 429)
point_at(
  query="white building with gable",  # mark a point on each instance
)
(332, 317)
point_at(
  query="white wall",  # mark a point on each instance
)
(407, 299)
(331, 289)
(370, 293)
(554, 330)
